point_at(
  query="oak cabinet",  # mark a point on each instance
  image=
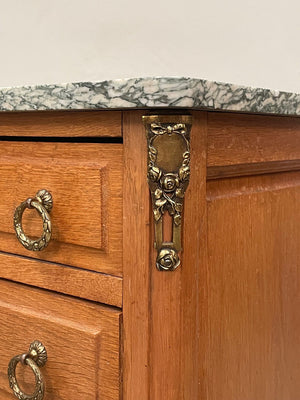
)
(223, 325)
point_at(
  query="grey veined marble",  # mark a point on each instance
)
(149, 92)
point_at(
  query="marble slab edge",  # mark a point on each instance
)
(143, 93)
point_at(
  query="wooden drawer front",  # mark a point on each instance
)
(81, 339)
(90, 285)
(85, 181)
(61, 124)
(241, 144)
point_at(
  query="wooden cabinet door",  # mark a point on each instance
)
(253, 288)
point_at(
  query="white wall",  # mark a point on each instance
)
(253, 42)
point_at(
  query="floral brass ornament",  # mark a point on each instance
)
(167, 259)
(168, 177)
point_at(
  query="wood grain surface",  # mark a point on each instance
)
(175, 352)
(243, 139)
(77, 282)
(270, 167)
(61, 124)
(160, 313)
(253, 346)
(136, 275)
(85, 181)
(81, 338)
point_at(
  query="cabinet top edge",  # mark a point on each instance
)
(150, 93)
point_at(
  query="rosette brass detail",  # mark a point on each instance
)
(168, 177)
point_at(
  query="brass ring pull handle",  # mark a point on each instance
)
(43, 203)
(35, 358)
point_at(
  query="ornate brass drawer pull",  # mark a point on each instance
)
(168, 177)
(43, 203)
(35, 358)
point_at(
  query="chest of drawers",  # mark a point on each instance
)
(223, 325)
